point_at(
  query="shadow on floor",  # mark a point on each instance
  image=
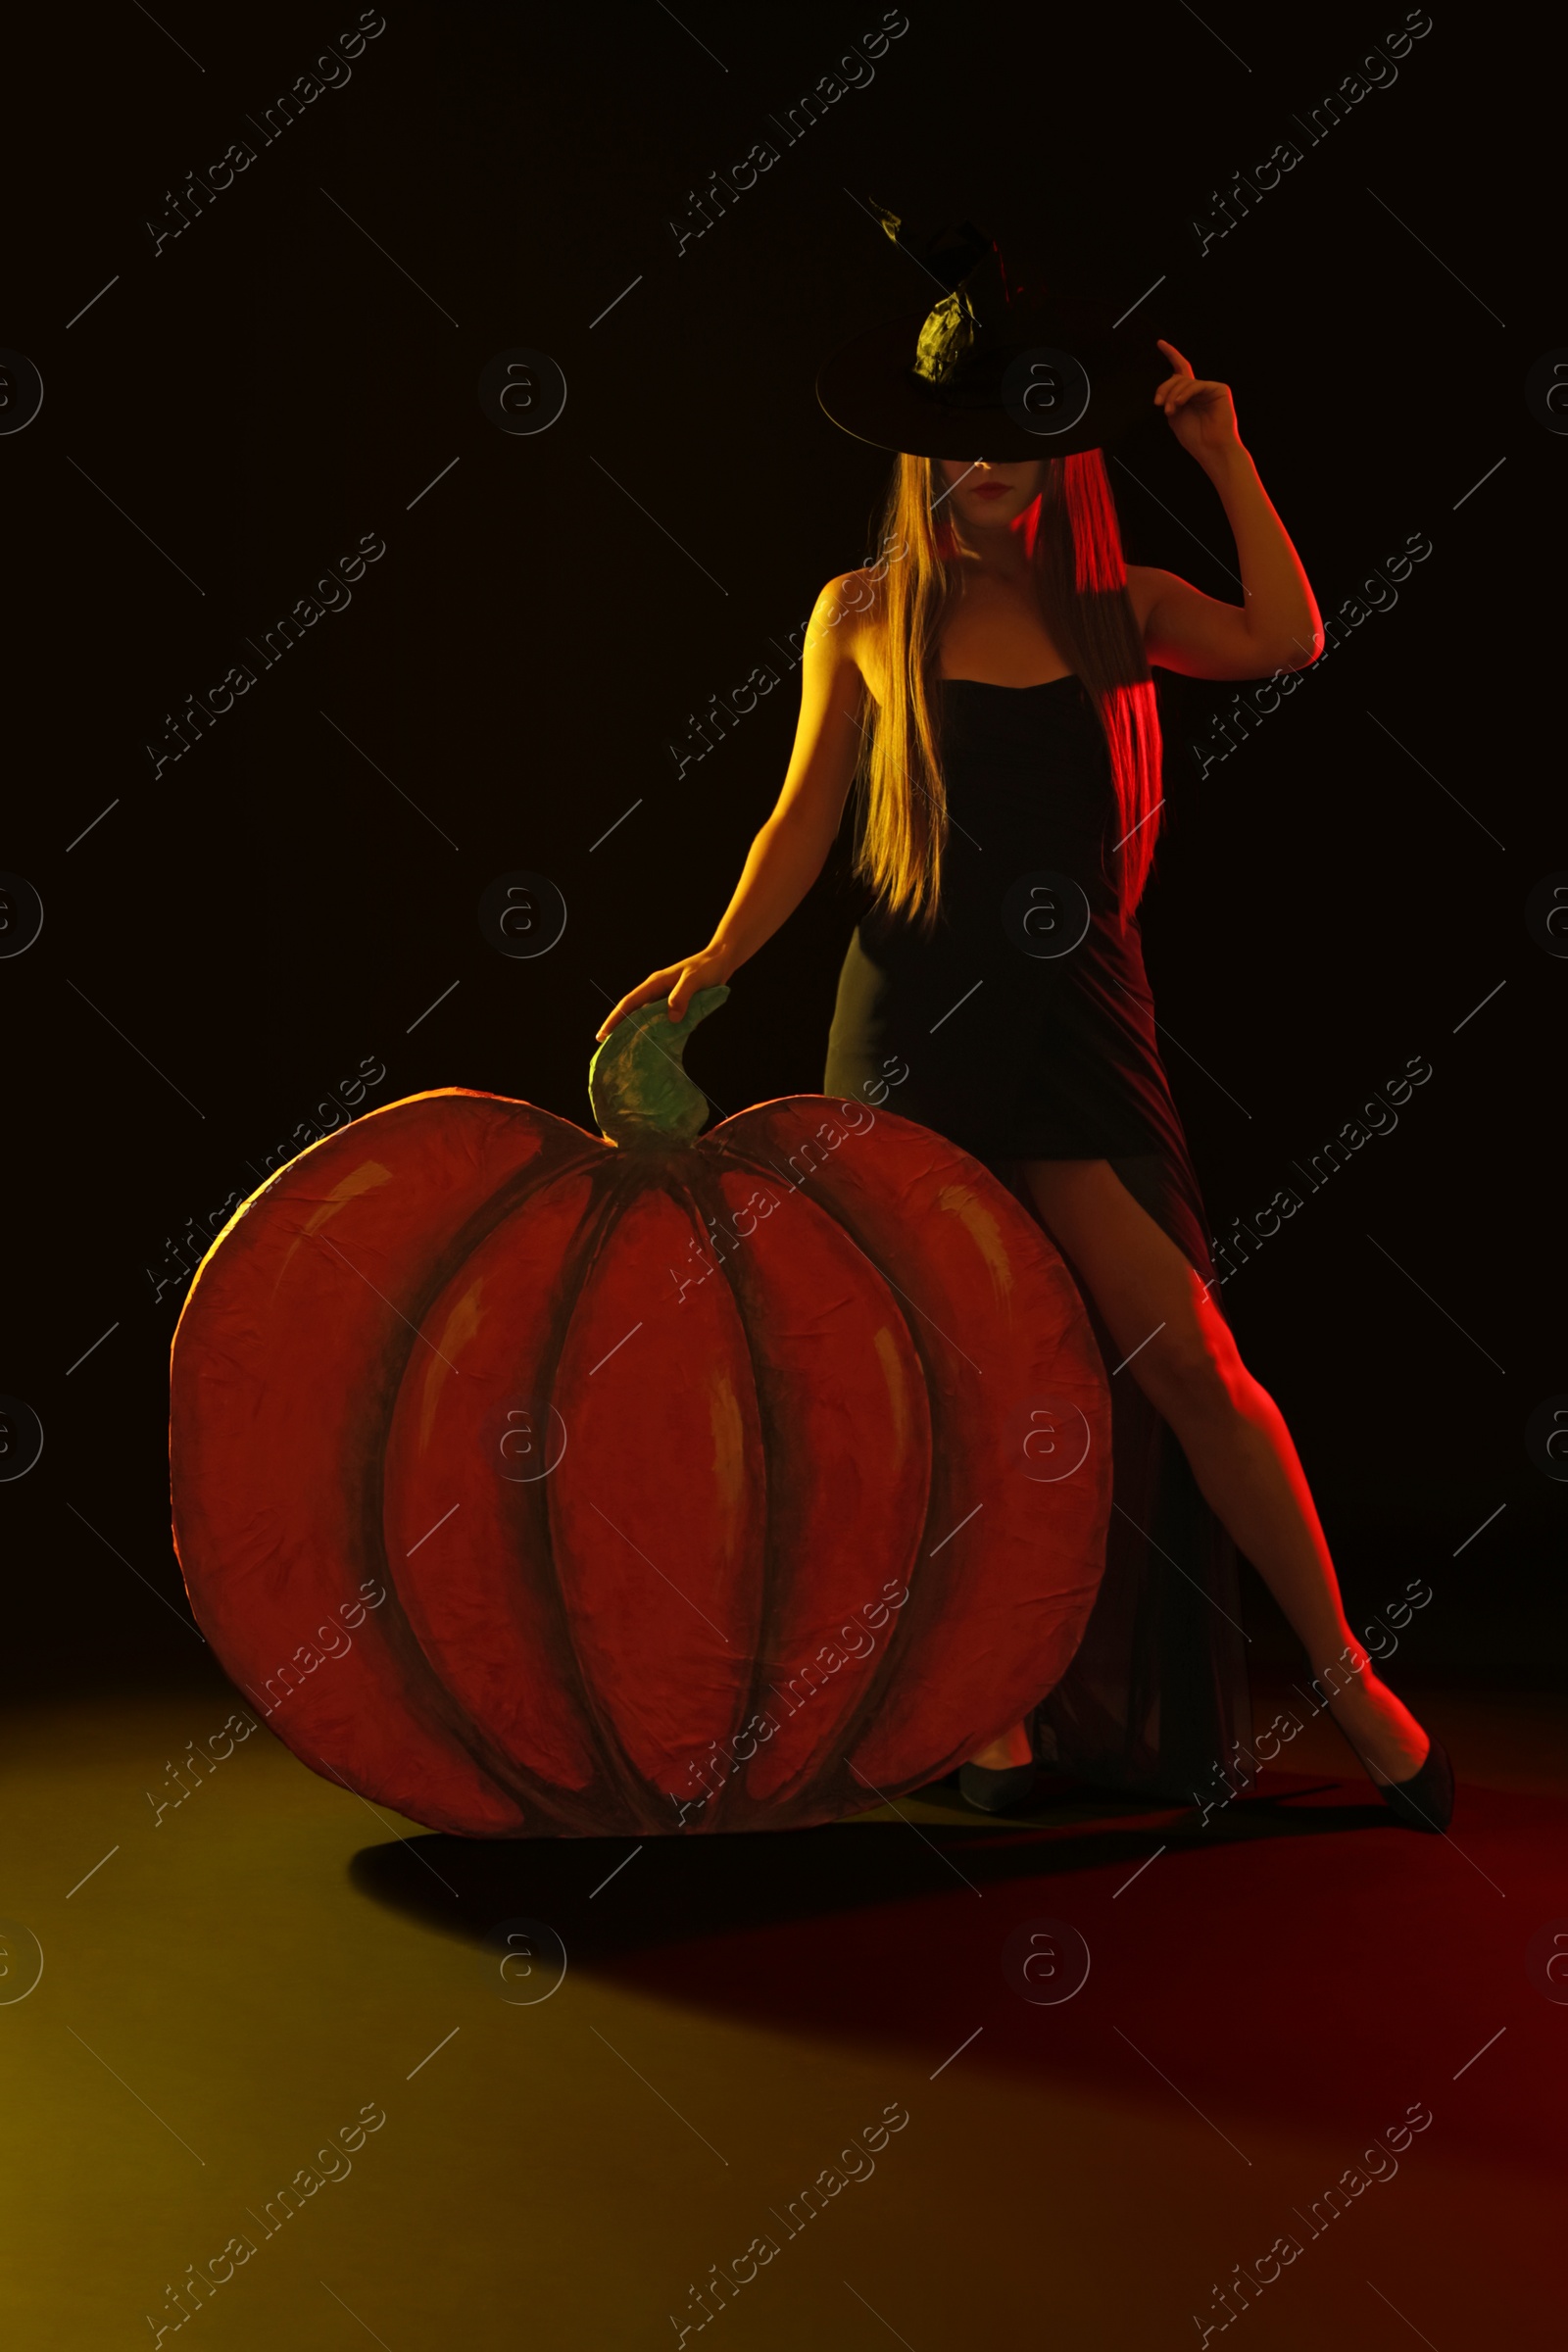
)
(679, 1889)
(1388, 1957)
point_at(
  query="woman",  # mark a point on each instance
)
(989, 677)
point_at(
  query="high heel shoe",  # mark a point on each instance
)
(1424, 1801)
(995, 1791)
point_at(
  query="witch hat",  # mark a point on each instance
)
(1002, 366)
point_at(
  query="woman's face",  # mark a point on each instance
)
(990, 495)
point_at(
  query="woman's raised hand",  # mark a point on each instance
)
(1200, 412)
(677, 981)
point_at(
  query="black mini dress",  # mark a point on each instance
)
(1022, 1027)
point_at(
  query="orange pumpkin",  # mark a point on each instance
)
(538, 1482)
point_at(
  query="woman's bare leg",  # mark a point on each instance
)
(1178, 1347)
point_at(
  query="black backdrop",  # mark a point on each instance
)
(229, 937)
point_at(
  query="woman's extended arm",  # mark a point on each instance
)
(1278, 626)
(789, 851)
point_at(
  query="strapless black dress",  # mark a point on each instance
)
(1023, 1028)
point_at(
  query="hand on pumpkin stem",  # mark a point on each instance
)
(679, 982)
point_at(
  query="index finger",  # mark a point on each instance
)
(618, 1013)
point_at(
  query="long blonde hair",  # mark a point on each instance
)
(1073, 545)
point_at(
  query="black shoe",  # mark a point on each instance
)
(995, 1791)
(1424, 1801)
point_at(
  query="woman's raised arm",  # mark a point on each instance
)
(1277, 626)
(789, 851)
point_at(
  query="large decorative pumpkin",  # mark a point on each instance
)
(537, 1483)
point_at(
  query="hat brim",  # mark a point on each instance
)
(867, 389)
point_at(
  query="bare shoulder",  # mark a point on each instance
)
(1145, 586)
(845, 624)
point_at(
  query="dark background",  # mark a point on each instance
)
(237, 934)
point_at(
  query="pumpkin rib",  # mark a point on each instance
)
(855, 1796)
(396, 1647)
(930, 1594)
(627, 1176)
(805, 1791)
(497, 1767)
(607, 1184)
(667, 1179)
(702, 1191)
(621, 1182)
(397, 1635)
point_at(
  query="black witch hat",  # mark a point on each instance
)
(1000, 367)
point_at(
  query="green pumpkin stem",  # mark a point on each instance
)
(641, 1095)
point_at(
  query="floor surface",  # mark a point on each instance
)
(235, 1988)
